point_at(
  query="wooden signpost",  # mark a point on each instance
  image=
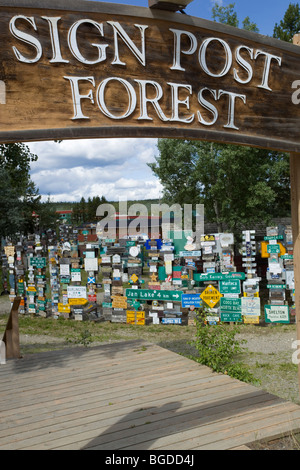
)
(86, 69)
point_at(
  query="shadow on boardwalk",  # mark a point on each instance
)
(140, 429)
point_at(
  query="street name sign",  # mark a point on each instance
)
(191, 300)
(230, 310)
(149, 294)
(231, 286)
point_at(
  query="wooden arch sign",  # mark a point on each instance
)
(89, 69)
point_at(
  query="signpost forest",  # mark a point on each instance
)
(85, 69)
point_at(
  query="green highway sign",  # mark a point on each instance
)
(276, 286)
(230, 310)
(274, 237)
(149, 294)
(277, 314)
(230, 317)
(230, 305)
(230, 286)
(38, 262)
(273, 248)
(218, 276)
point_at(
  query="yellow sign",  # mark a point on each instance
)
(134, 278)
(211, 296)
(77, 301)
(9, 250)
(119, 301)
(264, 248)
(62, 308)
(251, 319)
(135, 318)
(153, 277)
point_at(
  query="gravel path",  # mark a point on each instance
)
(269, 343)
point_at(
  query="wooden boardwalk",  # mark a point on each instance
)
(131, 396)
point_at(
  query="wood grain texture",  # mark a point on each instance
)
(40, 105)
(131, 396)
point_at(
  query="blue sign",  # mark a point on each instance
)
(188, 300)
(174, 321)
(158, 241)
(91, 280)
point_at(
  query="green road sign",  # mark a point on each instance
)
(230, 305)
(149, 294)
(230, 286)
(38, 262)
(277, 314)
(273, 248)
(218, 276)
(274, 237)
(230, 317)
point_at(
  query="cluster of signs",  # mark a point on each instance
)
(278, 248)
(176, 283)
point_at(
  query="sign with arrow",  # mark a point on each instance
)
(149, 294)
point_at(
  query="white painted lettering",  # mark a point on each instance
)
(231, 107)
(266, 73)
(176, 102)
(130, 93)
(144, 100)
(244, 64)
(54, 36)
(27, 38)
(119, 31)
(177, 47)
(77, 97)
(73, 46)
(208, 106)
(202, 57)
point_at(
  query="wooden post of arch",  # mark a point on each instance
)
(295, 213)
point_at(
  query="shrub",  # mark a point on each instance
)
(218, 347)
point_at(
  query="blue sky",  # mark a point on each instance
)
(116, 168)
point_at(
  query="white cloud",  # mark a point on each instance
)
(114, 168)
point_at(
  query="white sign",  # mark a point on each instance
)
(251, 306)
(76, 292)
(290, 280)
(75, 276)
(116, 259)
(64, 269)
(91, 264)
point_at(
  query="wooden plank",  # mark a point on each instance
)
(211, 434)
(155, 406)
(146, 83)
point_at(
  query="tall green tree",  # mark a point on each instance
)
(289, 25)
(227, 15)
(239, 186)
(19, 195)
